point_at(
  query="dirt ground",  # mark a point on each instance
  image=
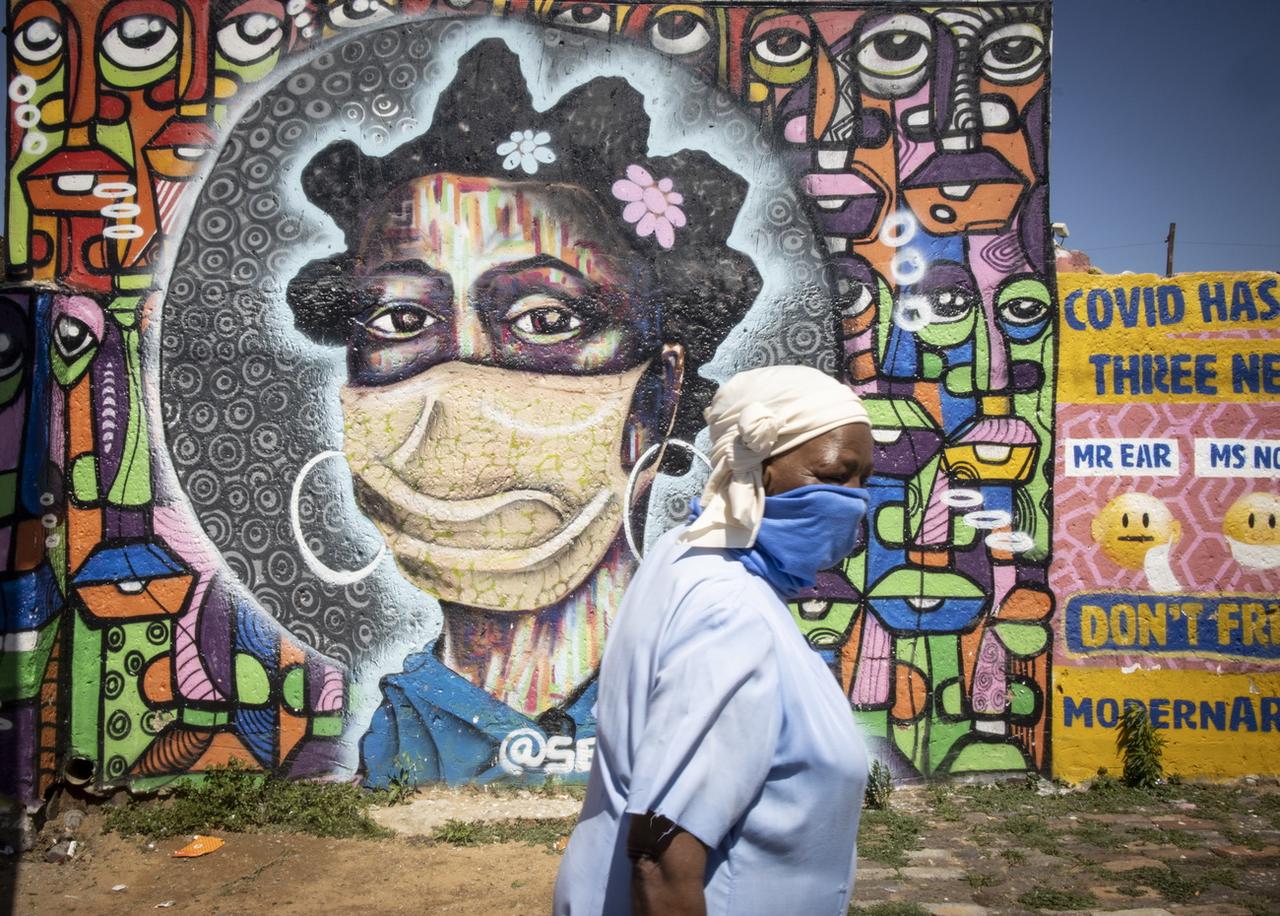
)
(946, 852)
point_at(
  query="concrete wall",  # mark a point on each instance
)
(351, 355)
(1167, 540)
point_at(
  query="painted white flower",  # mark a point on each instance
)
(526, 149)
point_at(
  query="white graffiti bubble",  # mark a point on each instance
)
(120, 211)
(22, 88)
(34, 144)
(109, 190)
(962, 499)
(898, 229)
(46, 499)
(26, 116)
(987, 519)
(1011, 541)
(51, 541)
(908, 267)
(128, 231)
(522, 749)
(5, 725)
(913, 313)
(49, 521)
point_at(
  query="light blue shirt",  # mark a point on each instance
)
(714, 712)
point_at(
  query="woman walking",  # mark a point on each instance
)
(729, 775)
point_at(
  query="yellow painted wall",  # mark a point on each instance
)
(1187, 704)
(1167, 429)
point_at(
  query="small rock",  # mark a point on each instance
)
(955, 909)
(117, 888)
(164, 905)
(61, 852)
(1140, 911)
(72, 819)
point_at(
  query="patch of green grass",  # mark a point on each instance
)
(982, 879)
(238, 799)
(942, 805)
(1027, 830)
(1182, 885)
(532, 831)
(1161, 836)
(1048, 898)
(885, 836)
(892, 908)
(1244, 838)
(1014, 856)
(1104, 836)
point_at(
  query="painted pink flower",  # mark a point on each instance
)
(651, 204)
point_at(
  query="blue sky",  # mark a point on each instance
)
(1167, 110)
(1164, 110)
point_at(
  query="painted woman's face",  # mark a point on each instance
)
(495, 386)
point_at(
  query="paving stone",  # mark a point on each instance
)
(1183, 822)
(1244, 852)
(932, 873)
(1134, 819)
(1132, 862)
(931, 857)
(955, 909)
(875, 873)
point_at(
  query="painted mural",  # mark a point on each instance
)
(1168, 500)
(353, 351)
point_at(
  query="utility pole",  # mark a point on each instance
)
(1168, 242)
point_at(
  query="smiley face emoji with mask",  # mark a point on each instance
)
(1252, 529)
(1137, 531)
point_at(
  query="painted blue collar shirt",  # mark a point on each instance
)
(436, 726)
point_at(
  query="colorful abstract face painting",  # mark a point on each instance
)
(357, 347)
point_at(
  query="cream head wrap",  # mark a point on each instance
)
(754, 415)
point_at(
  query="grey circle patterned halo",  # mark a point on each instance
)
(246, 400)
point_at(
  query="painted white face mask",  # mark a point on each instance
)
(493, 488)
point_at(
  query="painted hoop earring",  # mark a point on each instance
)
(322, 572)
(631, 485)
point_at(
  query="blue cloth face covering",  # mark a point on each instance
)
(804, 530)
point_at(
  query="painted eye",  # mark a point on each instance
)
(246, 39)
(11, 349)
(892, 56)
(71, 337)
(1023, 311)
(853, 297)
(546, 324)
(38, 41)
(140, 42)
(351, 14)
(783, 47)
(1014, 53)
(586, 16)
(399, 321)
(679, 32)
(950, 305)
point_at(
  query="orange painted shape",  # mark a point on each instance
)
(160, 598)
(290, 654)
(28, 545)
(934, 559)
(222, 750)
(80, 418)
(292, 730)
(909, 692)
(157, 680)
(84, 533)
(1025, 604)
(824, 105)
